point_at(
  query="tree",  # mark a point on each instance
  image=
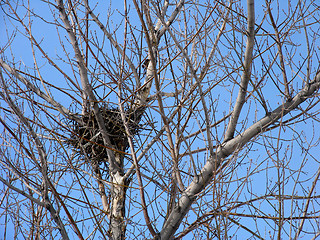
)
(160, 119)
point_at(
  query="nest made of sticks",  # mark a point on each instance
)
(87, 138)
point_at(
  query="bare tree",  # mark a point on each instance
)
(159, 119)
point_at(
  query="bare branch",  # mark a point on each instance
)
(42, 166)
(87, 87)
(113, 42)
(35, 200)
(246, 75)
(151, 119)
(213, 164)
(305, 211)
(41, 94)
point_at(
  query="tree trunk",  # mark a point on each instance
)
(119, 187)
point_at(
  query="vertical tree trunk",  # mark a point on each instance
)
(117, 226)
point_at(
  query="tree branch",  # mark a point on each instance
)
(42, 167)
(212, 165)
(245, 75)
(113, 165)
(64, 111)
(32, 199)
(113, 42)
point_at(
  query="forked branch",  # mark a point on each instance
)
(245, 78)
(213, 164)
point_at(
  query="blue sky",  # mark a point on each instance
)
(259, 182)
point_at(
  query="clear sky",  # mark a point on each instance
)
(290, 154)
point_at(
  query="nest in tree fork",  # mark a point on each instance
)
(87, 137)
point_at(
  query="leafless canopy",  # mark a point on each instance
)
(159, 119)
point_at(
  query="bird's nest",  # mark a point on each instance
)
(87, 138)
